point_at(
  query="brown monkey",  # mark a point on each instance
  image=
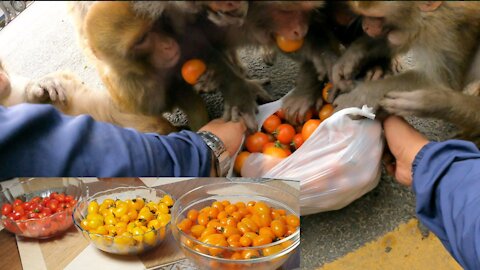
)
(443, 37)
(68, 94)
(138, 60)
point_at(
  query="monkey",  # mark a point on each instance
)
(444, 38)
(139, 62)
(64, 90)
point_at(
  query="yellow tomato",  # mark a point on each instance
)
(150, 238)
(138, 203)
(167, 199)
(163, 208)
(164, 219)
(92, 207)
(154, 224)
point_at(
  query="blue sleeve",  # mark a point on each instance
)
(37, 140)
(446, 181)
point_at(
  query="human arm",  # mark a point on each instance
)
(37, 140)
(446, 181)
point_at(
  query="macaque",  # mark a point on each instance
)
(444, 38)
(139, 61)
(67, 94)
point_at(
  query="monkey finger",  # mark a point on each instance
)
(319, 104)
(227, 114)
(250, 121)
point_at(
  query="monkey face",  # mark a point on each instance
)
(165, 52)
(225, 13)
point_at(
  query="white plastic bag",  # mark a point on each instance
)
(339, 163)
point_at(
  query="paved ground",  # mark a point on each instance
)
(41, 40)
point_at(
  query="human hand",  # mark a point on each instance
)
(404, 143)
(231, 133)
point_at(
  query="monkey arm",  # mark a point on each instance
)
(37, 140)
(445, 181)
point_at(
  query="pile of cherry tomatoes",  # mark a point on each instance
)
(39, 217)
(279, 138)
(238, 225)
(131, 224)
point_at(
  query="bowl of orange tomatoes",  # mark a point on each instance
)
(237, 225)
(40, 207)
(279, 138)
(125, 220)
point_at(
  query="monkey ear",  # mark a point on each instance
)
(428, 6)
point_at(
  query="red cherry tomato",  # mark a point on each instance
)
(53, 205)
(17, 202)
(60, 197)
(256, 141)
(285, 133)
(7, 209)
(271, 123)
(297, 140)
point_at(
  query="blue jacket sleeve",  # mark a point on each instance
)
(37, 140)
(446, 181)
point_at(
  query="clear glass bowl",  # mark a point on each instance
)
(45, 227)
(235, 192)
(121, 244)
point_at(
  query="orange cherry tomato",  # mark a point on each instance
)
(261, 208)
(236, 256)
(297, 140)
(255, 142)
(192, 215)
(278, 228)
(267, 231)
(325, 90)
(293, 220)
(261, 240)
(288, 45)
(218, 205)
(325, 112)
(245, 241)
(230, 230)
(240, 160)
(243, 227)
(192, 70)
(230, 208)
(213, 213)
(271, 123)
(203, 219)
(250, 254)
(309, 127)
(240, 205)
(252, 226)
(197, 230)
(275, 152)
(207, 232)
(185, 225)
(284, 133)
(272, 250)
(234, 240)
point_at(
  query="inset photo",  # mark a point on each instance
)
(149, 223)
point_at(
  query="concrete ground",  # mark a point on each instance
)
(42, 40)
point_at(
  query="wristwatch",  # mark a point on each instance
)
(222, 158)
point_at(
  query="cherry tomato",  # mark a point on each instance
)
(17, 202)
(240, 160)
(60, 197)
(293, 220)
(192, 70)
(278, 228)
(280, 113)
(297, 140)
(309, 127)
(287, 45)
(36, 199)
(325, 112)
(52, 195)
(261, 240)
(326, 90)
(275, 152)
(7, 209)
(192, 214)
(284, 133)
(19, 209)
(250, 254)
(271, 123)
(53, 205)
(256, 141)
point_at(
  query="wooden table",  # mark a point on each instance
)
(72, 251)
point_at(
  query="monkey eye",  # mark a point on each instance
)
(141, 40)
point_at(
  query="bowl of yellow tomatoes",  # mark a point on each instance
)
(237, 225)
(124, 220)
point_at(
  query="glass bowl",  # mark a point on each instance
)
(119, 244)
(207, 256)
(47, 226)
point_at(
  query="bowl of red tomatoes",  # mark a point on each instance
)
(40, 207)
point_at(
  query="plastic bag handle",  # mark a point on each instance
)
(365, 111)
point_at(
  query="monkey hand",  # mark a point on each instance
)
(422, 103)
(207, 82)
(48, 89)
(239, 102)
(361, 95)
(224, 19)
(345, 70)
(297, 103)
(268, 55)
